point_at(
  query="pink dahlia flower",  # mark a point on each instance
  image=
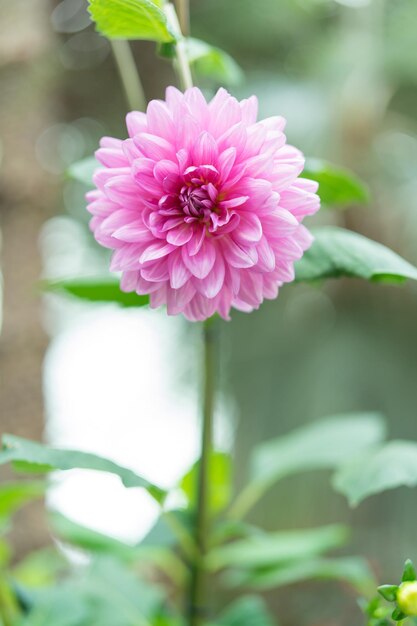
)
(202, 204)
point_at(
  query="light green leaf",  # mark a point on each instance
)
(14, 495)
(40, 568)
(30, 456)
(392, 465)
(83, 171)
(354, 570)
(246, 611)
(324, 444)
(213, 63)
(269, 549)
(338, 187)
(145, 553)
(219, 480)
(130, 19)
(337, 252)
(103, 290)
(90, 540)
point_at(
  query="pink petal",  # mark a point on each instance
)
(196, 241)
(205, 150)
(266, 256)
(133, 233)
(238, 255)
(225, 162)
(111, 157)
(179, 274)
(250, 228)
(202, 262)
(160, 121)
(155, 251)
(154, 147)
(179, 236)
(156, 272)
(249, 109)
(177, 299)
(136, 123)
(233, 202)
(212, 284)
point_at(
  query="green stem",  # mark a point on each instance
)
(198, 587)
(183, 12)
(182, 64)
(129, 76)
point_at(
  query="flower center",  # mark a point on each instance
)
(196, 202)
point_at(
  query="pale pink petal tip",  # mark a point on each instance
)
(202, 205)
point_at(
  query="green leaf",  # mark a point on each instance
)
(130, 19)
(398, 615)
(104, 290)
(268, 549)
(324, 444)
(116, 596)
(14, 495)
(246, 611)
(337, 252)
(35, 457)
(354, 570)
(392, 465)
(103, 593)
(388, 592)
(83, 171)
(219, 480)
(409, 572)
(213, 63)
(40, 568)
(90, 540)
(338, 187)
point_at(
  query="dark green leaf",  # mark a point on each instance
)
(130, 19)
(246, 611)
(272, 548)
(36, 457)
(353, 570)
(104, 290)
(388, 592)
(338, 187)
(398, 615)
(389, 466)
(213, 63)
(409, 572)
(83, 171)
(219, 480)
(337, 252)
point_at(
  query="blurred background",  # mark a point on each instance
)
(123, 383)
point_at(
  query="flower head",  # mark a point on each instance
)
(202, 204)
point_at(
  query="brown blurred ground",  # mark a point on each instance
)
(27, 198)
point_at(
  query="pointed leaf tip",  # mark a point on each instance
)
(388, 592)
(409, 573)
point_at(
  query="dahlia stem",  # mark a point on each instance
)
(198, 588)
(183, 12)
(129, 75)
(182, 64)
